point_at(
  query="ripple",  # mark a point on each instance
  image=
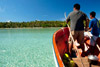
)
(3, 51)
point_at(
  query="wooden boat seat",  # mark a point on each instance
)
(83, 60)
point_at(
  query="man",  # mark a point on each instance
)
(77, 18)
(94, 25)
(94, 29)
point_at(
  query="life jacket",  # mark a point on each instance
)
(68, 61)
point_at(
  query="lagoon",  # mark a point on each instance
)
(30, 47)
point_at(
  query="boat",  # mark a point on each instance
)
(60, 45)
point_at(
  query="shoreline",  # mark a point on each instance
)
(31, 28)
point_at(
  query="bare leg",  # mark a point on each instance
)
(82, 47)
(70, 48)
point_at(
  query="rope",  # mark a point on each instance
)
(76, 48)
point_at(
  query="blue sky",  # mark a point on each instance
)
(30, 10)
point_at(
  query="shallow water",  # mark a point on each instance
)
(27, 47)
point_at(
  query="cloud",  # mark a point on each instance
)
(9, 21)
(62, 19)
(37, 20)
(98, 18)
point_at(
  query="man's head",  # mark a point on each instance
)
(76, 7)
(92, 15)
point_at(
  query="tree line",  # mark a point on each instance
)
(33, 24)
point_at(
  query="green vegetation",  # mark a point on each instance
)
(33, 24)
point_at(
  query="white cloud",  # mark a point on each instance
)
(98, 18)
(37, 19)
(62, 19)
(9, 21)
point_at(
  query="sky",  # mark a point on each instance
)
(42, 10)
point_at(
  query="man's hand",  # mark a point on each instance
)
(87, 23)
(86, 29)
(89, 29)
(67, 21)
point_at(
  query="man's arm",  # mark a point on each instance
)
(89, 29)
(90, 26)
(68, 18)
(87, 21)
(87, 24)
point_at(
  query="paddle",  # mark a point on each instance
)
(69, 29)
(74, 41)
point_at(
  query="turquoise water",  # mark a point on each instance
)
(26, 47)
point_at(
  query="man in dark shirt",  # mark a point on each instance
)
(76, 19)
(94, 29)
(94, 24)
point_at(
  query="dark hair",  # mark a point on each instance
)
(77, 6)
(93, 14)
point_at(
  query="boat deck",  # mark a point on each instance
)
(83, 61)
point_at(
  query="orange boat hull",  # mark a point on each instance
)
(60, 44)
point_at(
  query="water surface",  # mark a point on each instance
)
(26, 47)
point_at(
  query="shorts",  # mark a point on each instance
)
(79, 36)
(93, 40)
